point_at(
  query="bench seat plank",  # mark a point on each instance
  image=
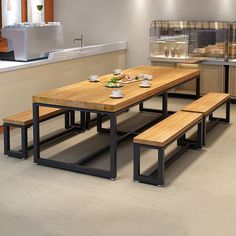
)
(207, 103)
(26, 118)
(169, 129)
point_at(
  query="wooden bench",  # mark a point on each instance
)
(160, 136)
(207, 104)
(24, 121)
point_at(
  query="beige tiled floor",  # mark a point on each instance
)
(199, 198)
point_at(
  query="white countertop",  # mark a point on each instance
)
(64, 55)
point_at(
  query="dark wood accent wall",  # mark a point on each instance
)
(24, 10)
(49, 10)
(0, 14)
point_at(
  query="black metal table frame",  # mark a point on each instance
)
(196, 96)
(114, 139)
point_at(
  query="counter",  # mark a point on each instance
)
(64, 55)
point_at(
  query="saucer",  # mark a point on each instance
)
(116, 97)
(94, 81)
(117, 73)
(114, 85)
(145, 86)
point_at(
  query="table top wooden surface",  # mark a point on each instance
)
(169, 129)
(207, 103)
(95, 96)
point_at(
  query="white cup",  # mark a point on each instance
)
(93, 78)
(117, 71)
(116, 93)
(147, 76)
(145, 83)
(140, 76)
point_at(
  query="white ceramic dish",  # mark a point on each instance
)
(145, 86)
(116, 97)
(94, 81)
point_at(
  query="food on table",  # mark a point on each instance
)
(113, 83)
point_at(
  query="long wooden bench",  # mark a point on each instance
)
(207, 104)
(24, 120)
(160, 136)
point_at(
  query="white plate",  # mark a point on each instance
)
(111, 96)
(145, 86)
(94, 81)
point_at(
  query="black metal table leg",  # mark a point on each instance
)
(88, 120)
(113, 145)
(198, 88)
(24, 142)
(72, 117)
(36, 133)
(165, 104)
(141, 107)
(136, 169)
(200, 131)
(83, 121)
(67, 120)
(6, 138)
(161, 166)
(99, 123)
(228, 104)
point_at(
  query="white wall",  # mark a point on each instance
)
(114, 20)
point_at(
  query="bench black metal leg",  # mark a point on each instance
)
(23, 153)
(72, 117)
(227, 115)
(159, 180)
(136, 170)
(228, 111)
(161, 166)
(67, 120)
(99, 123)
(70, 120)
(198, 88)
(182, 140)
(204, 132)
(83, 120)
(6, 139)
(24, 142)
(141, 107)
(224, 120)
(200, 134)
(165, 104)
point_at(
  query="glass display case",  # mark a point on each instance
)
(232, 42)
(189, 39)
(169, 39)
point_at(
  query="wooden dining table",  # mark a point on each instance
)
(91, 97)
